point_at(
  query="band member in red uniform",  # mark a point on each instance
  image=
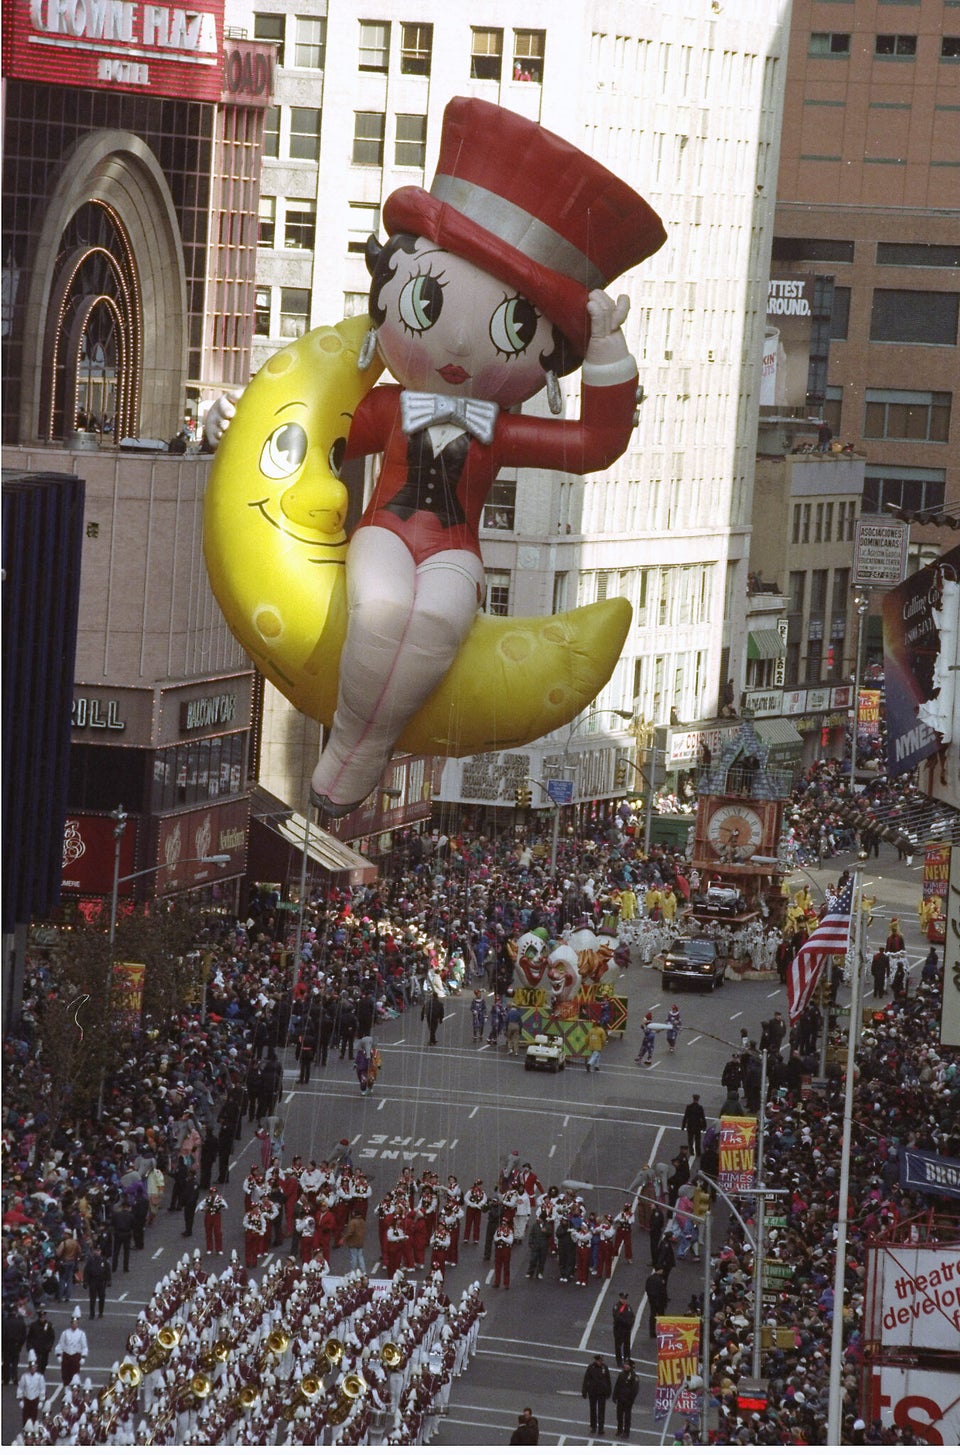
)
(213, 1207)
(502, 1251)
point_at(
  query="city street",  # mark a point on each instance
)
(457, 1108)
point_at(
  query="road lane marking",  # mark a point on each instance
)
(473, 1114)
(381, 1103)
(693, 1040)
(122, 1296)
(157, 1253)
(736, 1015)
(552, 1151)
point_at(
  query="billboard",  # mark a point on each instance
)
(921, 627)
(678, 1359)
(186, 838)
(915, 1296)
(786, 344)
(89, 846)
(925, 1401)
(738, 1150)
(156, 49)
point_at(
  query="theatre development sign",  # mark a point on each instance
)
(915, 1296)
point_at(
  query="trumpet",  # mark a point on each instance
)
(391, 1356)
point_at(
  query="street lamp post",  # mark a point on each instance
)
(860, 602)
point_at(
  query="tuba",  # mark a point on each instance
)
(331, 1354)
(131, 1375)
(349, 1390)
(391, 1356)
(161, 1349)
(200, 1386)
(247, 1397)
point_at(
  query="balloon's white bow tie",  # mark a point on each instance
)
(419, 410)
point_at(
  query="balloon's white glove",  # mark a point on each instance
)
(218, 418)
(607, 344)
(606, 316)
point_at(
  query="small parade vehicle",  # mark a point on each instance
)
(545, 1053)
(699, 962)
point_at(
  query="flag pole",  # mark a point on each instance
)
(835, 1402)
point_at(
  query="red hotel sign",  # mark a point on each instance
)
(120, 45)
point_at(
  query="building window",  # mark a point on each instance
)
(840, 312)
(498, 593)
(271, 131)
(267, 230)
(919, 255)
(363, 220)
(500, 510)
(486, 54)
(818, 523)
(907, 414)
(528, 55)
(814, 658)
(828, 521)
(311, 47)
(950, 48)
(818, 592)
(829, 43)
(368, 133)
(411, 145)
(895, 45)
(909, 316)
(812, 250)
(294, 312)
(416, 49)
(300, 223)
(374, 45)
(560, 580)
(798, 585)
(805, 529)
(795, 536)
(841, 593)
(270, 27)
(910, 488)
(832, 407)
(304, 133)
(355, 303)
(261, 313)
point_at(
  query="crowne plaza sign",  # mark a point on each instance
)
(163, 49)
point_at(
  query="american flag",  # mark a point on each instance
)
(831, 937)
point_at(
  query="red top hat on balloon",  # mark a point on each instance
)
(529, 208)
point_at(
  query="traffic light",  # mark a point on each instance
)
(522, 796)
(620, 773)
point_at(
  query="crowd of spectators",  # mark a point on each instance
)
(448, 908)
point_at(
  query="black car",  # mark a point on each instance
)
(697, 962)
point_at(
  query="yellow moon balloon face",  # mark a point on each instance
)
(275, 549)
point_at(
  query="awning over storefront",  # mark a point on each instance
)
(764, 643)
(322, 847)
(781, 737)
(277, 838)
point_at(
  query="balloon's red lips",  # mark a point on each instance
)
(453, 374)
